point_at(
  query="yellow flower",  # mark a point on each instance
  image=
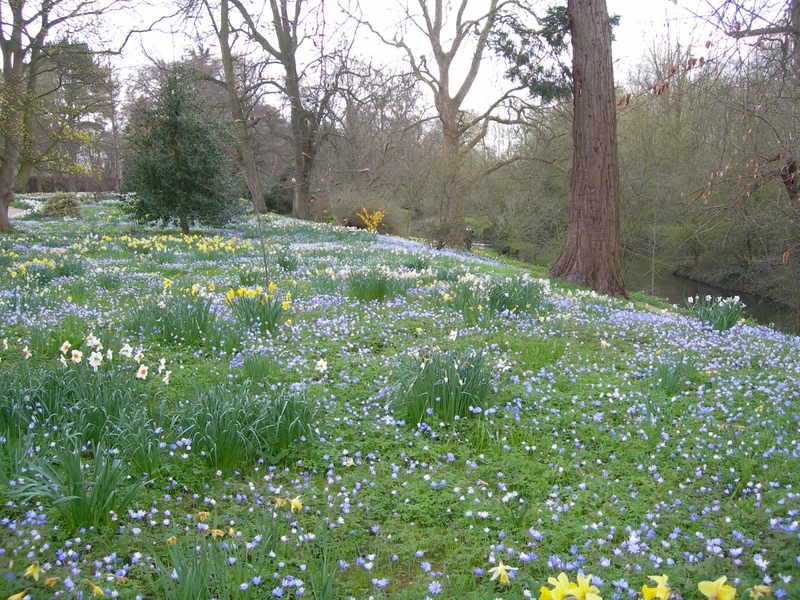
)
(286, 304)
(761, 591)
(500, 573)
(546, 594)
(660, 592)
(296, 504)
(217, 533)
(172, 540)
(51, 581)
(562, 586)
(202, 515)
(33, 571)
(717, 590)
(281, 502)
(166, 282)
(97, 591)
(271, 287)
(19, 595)
(585, 591)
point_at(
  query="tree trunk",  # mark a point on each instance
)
(184, 222)
(454, 187)
(591, 254)
(247, 158)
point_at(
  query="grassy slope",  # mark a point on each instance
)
(589, 463)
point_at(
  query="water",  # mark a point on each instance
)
(676, 289)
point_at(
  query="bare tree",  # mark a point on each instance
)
(461, 132)
(292, 23)
(591, 254)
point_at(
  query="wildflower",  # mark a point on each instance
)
(51, 582)
(321, 365)
(296, 504)
(126, 351)
(172, 540)
(65, 347)
(166, 377)
(138, 357)
(717, 590)
(19, 595)
(33, 571)
(500, 573)
(202, 515)
(660, 592)
(26, 353)
(95, 360)
(281, 502)
(77, 356)
(162, 363)
(141, 373)
(97, 591)
(217, 533)
(166, 282)
(760, 591)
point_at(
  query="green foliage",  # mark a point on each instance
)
(443, 386)
(62, 205)
(278, 196)
(722, 313)
(673, 377)
(179, 169)
(368, 286)
(233, 427)
(265, 311)
(478, 298)
(178, 318)
(83, 494)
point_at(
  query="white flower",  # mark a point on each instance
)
(321, 365)
(126, 351)
(92, 341)
(452, 335)
(162, 363)
(138, 357)
(690, 300)
(141, 373)
(166, 377)
(26, 353)
(95, 360)
(77, 356)
(65, 347)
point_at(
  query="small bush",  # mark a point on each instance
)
(83, 495)
(374, 285)
(722, 313)
(62, 205)
(234, 427)
(443, 385)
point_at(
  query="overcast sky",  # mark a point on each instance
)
(642, 23)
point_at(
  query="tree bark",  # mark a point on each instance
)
(591, 254)
(247, 158)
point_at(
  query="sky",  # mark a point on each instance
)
(642, 23)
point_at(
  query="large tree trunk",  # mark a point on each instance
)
(591, 255)
(247, 158)
(454, 186)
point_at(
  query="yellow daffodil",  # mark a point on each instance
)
(660, 592)
(279, 502)
(217, 533)
(166, 282)
(562, 586)
(585, 590)
(202, 515)
(18, 595)
(271, 287)
(296, 504)
(172, 540)
(51, 582)
(761, 591)
(546, 594)
(717, 590)
(97, 591)
(33, 571)
(500, 573)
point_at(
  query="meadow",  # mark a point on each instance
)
(292, 409)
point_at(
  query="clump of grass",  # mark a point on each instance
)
(417, 262)
(286, 260)
(180, 318)
(475, 298)
(83, 494)
(255, 307)
(445, 385)
(234, 427)
(136, 436)
(374, 285)
(722, 313)
(673, 377)
(259, 368)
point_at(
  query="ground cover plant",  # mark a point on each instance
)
(358, 416)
